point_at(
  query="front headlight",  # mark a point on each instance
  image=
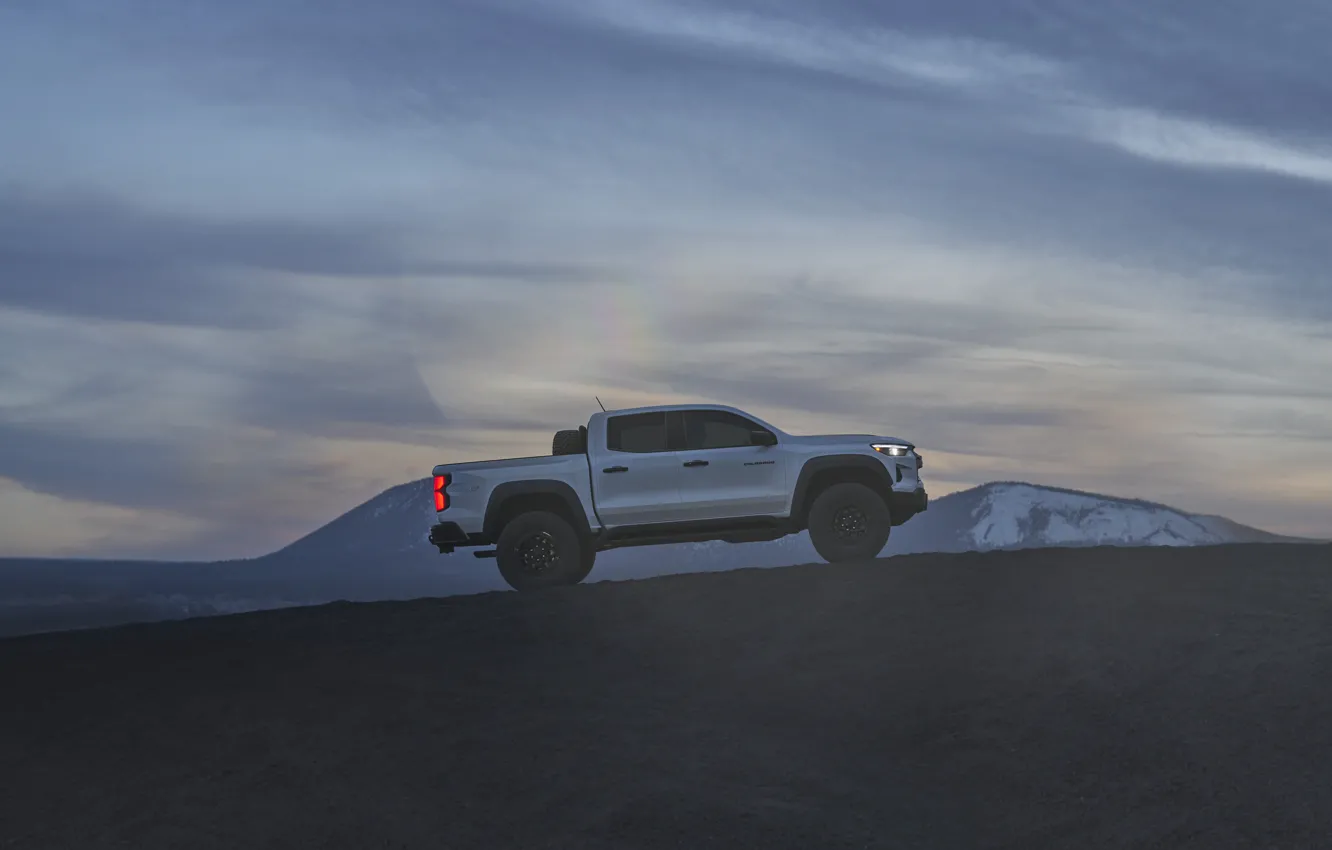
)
(892, 449)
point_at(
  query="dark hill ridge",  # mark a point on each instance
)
(1052, 698)
(395, 523)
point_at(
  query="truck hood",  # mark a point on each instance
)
(839, 439)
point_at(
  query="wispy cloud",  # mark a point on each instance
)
(871, 56)
(1201, 144)
(1053, 91)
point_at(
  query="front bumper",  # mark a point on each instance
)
(905, 504)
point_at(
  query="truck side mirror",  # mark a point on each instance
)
(762, 438)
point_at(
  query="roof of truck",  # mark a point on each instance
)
(655, 408)
(662, 408)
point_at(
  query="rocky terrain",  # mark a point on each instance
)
(1093, 698)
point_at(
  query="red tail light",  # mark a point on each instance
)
(441, 497)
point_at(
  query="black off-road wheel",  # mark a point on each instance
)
(849, 522)
(540, 549)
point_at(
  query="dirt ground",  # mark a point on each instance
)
(1071, 699)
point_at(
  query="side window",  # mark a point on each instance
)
(718, 429)
(639, 432)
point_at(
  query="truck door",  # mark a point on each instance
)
(723, 474)
(636, 479)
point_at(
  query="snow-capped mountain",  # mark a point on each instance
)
(1014, 515)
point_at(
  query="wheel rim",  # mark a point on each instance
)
(538, 554)
(850, 523)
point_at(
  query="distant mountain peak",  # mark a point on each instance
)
(1008, 485)
(1015, 515)
(392, 528)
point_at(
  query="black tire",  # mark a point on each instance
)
(540, 549)
(589, 561)
(568, 443)
(849, 522)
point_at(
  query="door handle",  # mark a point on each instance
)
(616, 469)
(696, 463)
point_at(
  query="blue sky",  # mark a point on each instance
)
(259, 261)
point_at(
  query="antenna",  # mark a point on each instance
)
(603, 407)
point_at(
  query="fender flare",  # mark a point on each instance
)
(830, 463)
(503, 493)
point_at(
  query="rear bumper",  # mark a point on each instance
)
(446, 536)
(905, 504)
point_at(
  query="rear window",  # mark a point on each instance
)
(638, 432)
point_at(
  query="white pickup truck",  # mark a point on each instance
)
(673, 474)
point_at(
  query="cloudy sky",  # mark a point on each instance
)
(261, 259)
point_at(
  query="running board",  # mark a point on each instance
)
(488, 553)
